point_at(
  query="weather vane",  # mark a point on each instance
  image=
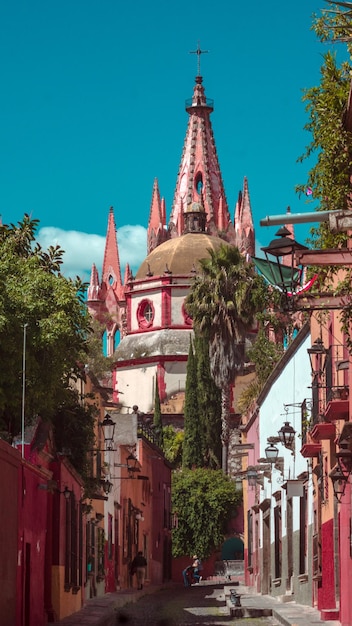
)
(198, 52)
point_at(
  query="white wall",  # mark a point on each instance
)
(292, 387)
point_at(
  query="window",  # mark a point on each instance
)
(145, 314)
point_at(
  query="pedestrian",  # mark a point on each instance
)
(187, 574)
(138, 566)
(196, 569)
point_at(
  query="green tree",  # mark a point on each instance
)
(193, 442)
(73, 428)
(39, 304)
(223, 302)
(204, 501)
(209, 405)
(331, 145)
(173, 445)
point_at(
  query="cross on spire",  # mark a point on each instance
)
(198, 52)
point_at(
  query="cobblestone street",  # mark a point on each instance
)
(177, 606)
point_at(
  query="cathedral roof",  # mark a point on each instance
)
(179, 256)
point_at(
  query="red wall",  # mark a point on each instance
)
(326, 592)
(9, 471)
(345, 565)
(32, 544)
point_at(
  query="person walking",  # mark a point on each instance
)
(187, 574)
(196, 569)
(138, 566)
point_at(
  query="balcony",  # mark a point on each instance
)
(337, 403)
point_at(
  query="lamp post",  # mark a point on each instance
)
(23, 385)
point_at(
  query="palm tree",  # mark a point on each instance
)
(223, 302)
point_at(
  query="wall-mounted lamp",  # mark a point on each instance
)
(132, 464)
(106, 486)
(252, 476)
(271, 453)
(339, 481)
(86, 508)
(108, 426)
(344, 457)
(284, 275)
(66, 493)
(287, 435)
(317, 355)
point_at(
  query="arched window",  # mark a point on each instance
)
(199, 183)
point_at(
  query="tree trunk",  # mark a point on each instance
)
(225, 425)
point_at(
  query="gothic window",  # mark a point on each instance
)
(199, 184)
(145, 314)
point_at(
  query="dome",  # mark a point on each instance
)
(180, 255)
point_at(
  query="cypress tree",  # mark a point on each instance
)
(192, 446)
(209, 403)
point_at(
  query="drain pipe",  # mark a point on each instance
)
(299, 218)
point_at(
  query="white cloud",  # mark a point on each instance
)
(83, 249)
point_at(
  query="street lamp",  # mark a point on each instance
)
(284, 274)
(344, 457)
(271, 453)
(317, 355)
(106, 486)
(339, 482)
(108, 426)
(252, 476)
(287, 435)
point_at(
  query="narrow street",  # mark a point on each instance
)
(201, 605)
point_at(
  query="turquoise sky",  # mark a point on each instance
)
(92, 110)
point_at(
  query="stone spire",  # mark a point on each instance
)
(199, 177)
(106, 301)
(244, 228)
(157, 220)
(111, 264)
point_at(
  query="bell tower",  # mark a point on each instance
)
(199, 178)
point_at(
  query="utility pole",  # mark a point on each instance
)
(23, 383)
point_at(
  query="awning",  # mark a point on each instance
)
(275, 276)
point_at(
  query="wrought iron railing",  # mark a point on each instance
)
(149, 432)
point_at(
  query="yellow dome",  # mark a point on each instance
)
(180, 255)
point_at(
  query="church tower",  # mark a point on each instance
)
(106, 299)
(199, 208)
(199, 178)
